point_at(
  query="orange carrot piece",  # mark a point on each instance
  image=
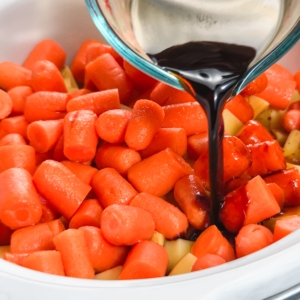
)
(207, 261)
(12, 75)
(211, 241)
(124, 225)
(189, 116)
(291, 120)
(19, 202)
(104, 255)
(107, 74)
(121, 158)
(82, 171)
(111, 125)
(44, 135)
(111, 188)
(18, 96)
(277, 73)
(109, 49)
(168, 219)
(164, 94)
(79, 92)
(145, 120)
(79, 61)
(45, 106)
(241, 108)
(158, 173)
(197, 144)
(93, 51)
(49, 262)
(17, 156)
(140, 80)
(5, 234)
(88, 214)
(17, 124)
(48, 212)
(277, 192)
(261, 202)
(80, 137)
(15, 258)
(34, 238)
(234, 184)
(46, 50)
(47, 77)
(297, 79)
(254, 132)
(252, 238)
(12, 139)
(98, 102)
(173, 138)
(62, 188)
(146, 259)
(74, 253)
(6, 104)
(40, 157)
(192, 199)
(58, 151)
(256, 86)
(286, 226)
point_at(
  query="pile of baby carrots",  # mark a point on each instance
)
(102, 168)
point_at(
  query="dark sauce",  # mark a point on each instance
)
(211, 71)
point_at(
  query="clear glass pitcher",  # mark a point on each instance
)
(113, 19)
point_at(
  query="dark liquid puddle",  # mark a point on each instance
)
(211, 69)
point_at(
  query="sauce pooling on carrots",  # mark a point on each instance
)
(211, 69)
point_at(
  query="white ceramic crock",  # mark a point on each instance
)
(265, 273)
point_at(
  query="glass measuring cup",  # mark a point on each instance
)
(113, 19)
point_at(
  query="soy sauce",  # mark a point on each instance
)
(211, 69)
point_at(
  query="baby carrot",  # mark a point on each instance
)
(239, 107)
(192, 199)
(12, 139)
(40, 157)
(297, 79)
(251, 238)
(173, 138)
(79, 61)
(291, 120)
(146, 259)
(121, 158)
(111, 125)
(79, 92)
(197, 144)
(49, 262)
(45, 106)
(163, 94)
(190, 116)
(47, 77)
(18, 96)
(74, 253)
(5, 234)
(211, 241)
(93, 51)
(208, 261)
(88, 214)
(98, 102)
(80, 137)
(15, 258)
(104, 255)
(19, 202)
(6, 104)
(256, 86)
(46, 50)
(107, 74)
(158, 173)
(111, 188)
(145, 120)
(123, 225)
(44, 135)
(62, 188)
(286, 226)
(12, 75)
(34, 238)
(17, 124)
(140, 80)
(17, 156)
(58, 151)
(48, 211)
(82, 171)
(277, 192)
(168, 219)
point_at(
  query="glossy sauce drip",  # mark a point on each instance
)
(211, 69)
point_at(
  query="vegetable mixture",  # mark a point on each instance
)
(104, 170)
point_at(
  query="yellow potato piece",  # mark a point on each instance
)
(291, 148)
(158, 238)
(231, 123)
(259, 105)
(184, 265)
(111, 274)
